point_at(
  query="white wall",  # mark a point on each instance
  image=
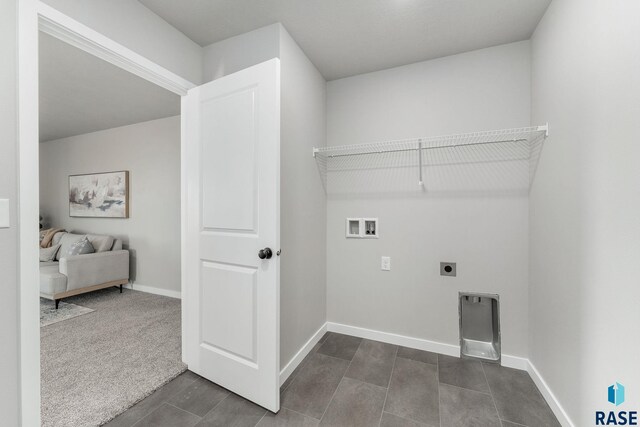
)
(485, 233)
(237, 53)
(9, 365)
(585, 204)
(134, 26)
(303, 266)
(150, 151)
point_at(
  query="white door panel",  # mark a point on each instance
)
(229, 301)
(232, 117)
(232, 131)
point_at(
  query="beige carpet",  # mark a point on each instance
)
(97, 365)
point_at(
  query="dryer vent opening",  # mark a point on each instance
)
(480, 326)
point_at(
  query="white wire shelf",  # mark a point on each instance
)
(490, 160)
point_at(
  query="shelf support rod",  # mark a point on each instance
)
(420, 182)
(544, 128)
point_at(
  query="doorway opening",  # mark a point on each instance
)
(110, 240)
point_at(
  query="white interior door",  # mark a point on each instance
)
(231, 295)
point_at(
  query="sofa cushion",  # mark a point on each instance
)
(117, 245)
(100, 243)
(49, 254)
(57, 237)
(51, 280)
(81, 247)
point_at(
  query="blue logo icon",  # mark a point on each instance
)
(616, 394)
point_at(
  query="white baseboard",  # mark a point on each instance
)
(419, 343)
(515, 362)
(152, 290)
(301, 354)
(548, 395)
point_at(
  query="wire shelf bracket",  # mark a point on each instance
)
(497, 146)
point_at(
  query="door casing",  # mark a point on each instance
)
(34, 16)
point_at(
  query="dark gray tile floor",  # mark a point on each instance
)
(349, 381)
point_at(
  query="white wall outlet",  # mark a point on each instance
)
(4, 213)
(385, 264)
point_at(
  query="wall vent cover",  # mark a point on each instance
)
(480, 326)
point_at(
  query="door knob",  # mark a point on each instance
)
(265, 253)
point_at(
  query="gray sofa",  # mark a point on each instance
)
(66, 275)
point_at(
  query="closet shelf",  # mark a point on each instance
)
(485, 153)
(504, 136)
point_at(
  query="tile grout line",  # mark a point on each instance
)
(307, 358)
(437, 384)
(389, 384)
(262, 418)
(219, 403)
(300, 413)
(183, 410)
(467, 389)
(301, 366)
(491, 393)
(334, 357)
(341, 379)
(168, 404)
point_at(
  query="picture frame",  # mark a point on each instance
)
(99, 195)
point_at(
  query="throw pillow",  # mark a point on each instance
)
(66, 241)
(57, 237)
(48, 254)
(81, 247)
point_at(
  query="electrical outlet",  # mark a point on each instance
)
(385, 264)
(448, 269)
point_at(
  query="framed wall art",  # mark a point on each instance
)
(99, 195)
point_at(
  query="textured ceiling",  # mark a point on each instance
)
(80, 93)
(348, 37)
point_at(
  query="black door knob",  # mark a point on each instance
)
(265, 253)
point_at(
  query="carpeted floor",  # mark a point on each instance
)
(97, 365)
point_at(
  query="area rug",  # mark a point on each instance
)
(95, 367)
(49, 315)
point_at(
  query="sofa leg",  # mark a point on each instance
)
(120, 288)
(57, 303)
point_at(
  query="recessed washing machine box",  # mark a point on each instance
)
(362, 228)
(480, 326)
(353, 227)
(370, 227)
